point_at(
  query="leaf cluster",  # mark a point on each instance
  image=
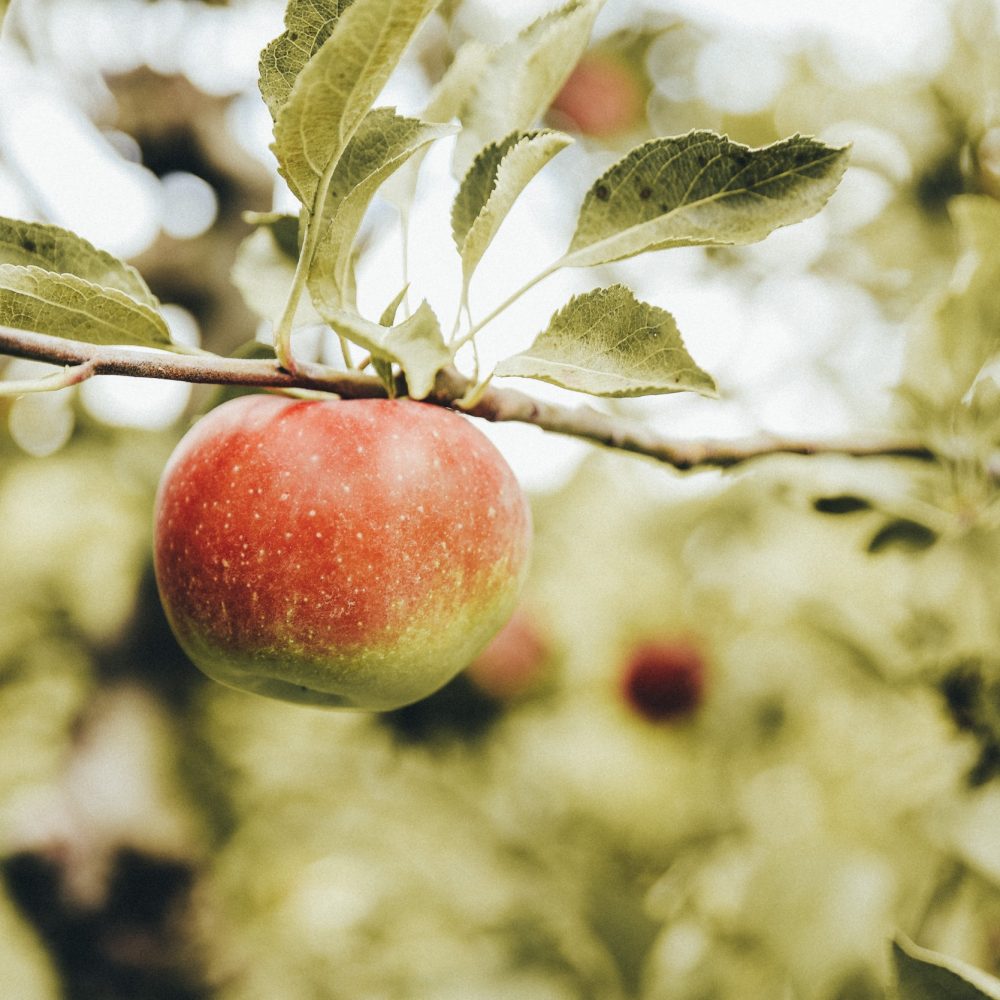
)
(320, 79)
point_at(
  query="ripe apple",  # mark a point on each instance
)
(347, 554)
(664, 681)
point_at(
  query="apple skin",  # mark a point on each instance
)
(345, 554)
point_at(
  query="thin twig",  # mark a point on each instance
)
(494, 404)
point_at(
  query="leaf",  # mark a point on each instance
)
(308, 24)
(33, 244)
(701, 189)
(447, 99)
(844, 503)
(523, 77)
(926, 975)
(963, 332)
(263, 272)
(388, 317)
(495, 180)
(337, 86)
(416, 344)
(608, 343)
(904, 534)
(64, 305)
(384, 141)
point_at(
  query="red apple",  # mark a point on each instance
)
(664, 681)
(602, 96)
(513, 661)
(348, 554)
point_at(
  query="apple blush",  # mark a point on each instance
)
(345, 554)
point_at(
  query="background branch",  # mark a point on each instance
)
(496, 405)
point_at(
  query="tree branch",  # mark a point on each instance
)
(497, 405)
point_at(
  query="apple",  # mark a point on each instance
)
(602, 97)
(664, 681)
(346, 554)
(513, 662)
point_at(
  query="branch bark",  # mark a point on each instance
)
(494, 404)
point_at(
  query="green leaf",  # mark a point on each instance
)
(416, 344)
(902, 533)
(336, 88)
(608, 343)
(701, 189)
(495, 180)
(388, 317)
(32, 244)
(308, 24)
(64, 305)
(263, 272)
(447, 99)
(383, 142)
(843, 503)
(523, 77)
(926, 975)
(963, 332)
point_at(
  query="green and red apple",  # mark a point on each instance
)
(349, 554)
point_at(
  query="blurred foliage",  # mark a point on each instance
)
(166, 838)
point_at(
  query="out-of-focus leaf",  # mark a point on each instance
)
(308, 24)
(336, 88)
(904, 534)
(701, 189)
(446, 102)
(64, 305)
(34, 244)
(263, 272)
(494, 182)
(416, 344)
(926, 975)
(521, 79)
(384, 141)
(963, 332)
(608, 343)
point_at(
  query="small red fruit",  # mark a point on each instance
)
(602, 96)
(664, 681)
(511, 664)
(348, 554)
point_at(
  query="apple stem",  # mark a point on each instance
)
(497, 405)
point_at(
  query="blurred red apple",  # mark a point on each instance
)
(512, 663)
(664, 681)
(602, 97)
(351, 554)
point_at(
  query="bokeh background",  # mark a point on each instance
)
(744, 728)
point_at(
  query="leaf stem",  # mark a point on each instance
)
(506, 304)
(71, 375)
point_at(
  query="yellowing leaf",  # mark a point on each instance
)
(608, 343)
(495, 180)
(64, 305)
(701, 189)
